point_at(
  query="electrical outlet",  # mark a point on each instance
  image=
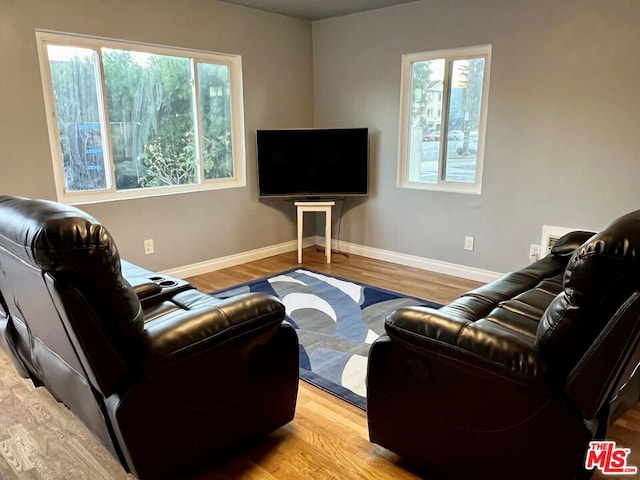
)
(468, 243)
(148, 247)
(534, 252)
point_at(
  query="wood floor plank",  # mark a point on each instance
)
(328, 438)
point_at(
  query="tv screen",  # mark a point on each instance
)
(313, 163)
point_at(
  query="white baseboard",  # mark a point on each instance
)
(236, 259)
(462, 271)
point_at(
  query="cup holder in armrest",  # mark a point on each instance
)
(153, 287)
(163, 282)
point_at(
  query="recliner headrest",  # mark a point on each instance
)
(50, 235)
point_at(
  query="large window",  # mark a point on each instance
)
(443, 117)
(129, 120)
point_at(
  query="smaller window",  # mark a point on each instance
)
(443, 116)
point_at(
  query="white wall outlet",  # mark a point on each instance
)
(534, 252)
(148, 247)
(468, 243)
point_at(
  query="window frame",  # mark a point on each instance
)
(110, 193)
(404, 136)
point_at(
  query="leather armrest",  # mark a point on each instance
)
(144, 287)
(151, 287)
(568, 243)
(482, 343)
(192, 321)
(423, 324)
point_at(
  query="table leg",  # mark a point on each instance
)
(300, 218)
(327, 234)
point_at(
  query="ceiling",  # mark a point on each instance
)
(316, 9)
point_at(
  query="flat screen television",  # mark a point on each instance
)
(313, 163)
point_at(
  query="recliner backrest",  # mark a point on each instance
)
(60, 275)
(596, 311)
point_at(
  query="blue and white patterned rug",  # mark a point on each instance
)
(336, 320)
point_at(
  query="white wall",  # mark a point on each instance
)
(562, 145)
(187, 228)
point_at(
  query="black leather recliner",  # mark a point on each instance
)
(164, 375)
(515, 378)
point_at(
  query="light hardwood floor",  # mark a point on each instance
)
(328, 438)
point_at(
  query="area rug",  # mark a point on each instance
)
(337, 320)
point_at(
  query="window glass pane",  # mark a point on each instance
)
(151, 118)
(464, 120)
(426, 119)
(74, 78)
(215, 105)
